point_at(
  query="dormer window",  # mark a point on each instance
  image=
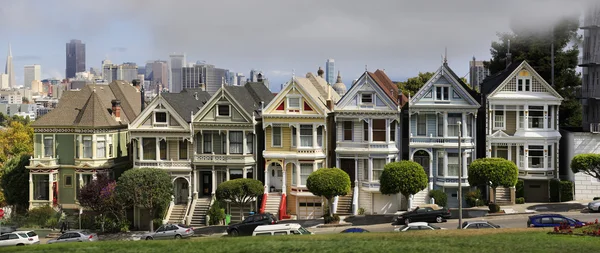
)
(366, 98)
(223, 111)
(293, 103)
(160, 119)
(524, 84)
(441, 93)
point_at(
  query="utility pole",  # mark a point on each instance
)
(552, 57)
(460, 169)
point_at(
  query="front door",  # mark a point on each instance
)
(276, 176)
(348, 166)
(422, 158)
(181, 191)
(206, 183)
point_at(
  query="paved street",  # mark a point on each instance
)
(506, 221)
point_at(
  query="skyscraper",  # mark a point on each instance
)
(206, 74)
(9, 70)
(75, 58)
(477, 72)
(254, 75)
(590, 63)
(127, 71)
(330, 71)
(177, 63)
(31, 73)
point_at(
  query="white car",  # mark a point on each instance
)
(19, 238)
(417, 226)
(594, 205)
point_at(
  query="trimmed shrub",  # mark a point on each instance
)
(406, 177)
(328, 183)
(441, 199)
(494, 208)
(520, 189)
(331, 218)
(473, 198)
(554, 185)
(566, 191)
(40, 215)
(216, 213)
(495, 172)
(520, 200)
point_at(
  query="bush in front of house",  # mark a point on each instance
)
(520, 189)
(328, 183)
(40, 215)
(494, 208)
(216, 213)
(440, 197)
(473, 198)
(566, 190)
(494, 172)
(520, 200)
(240, 192)
(554, 190)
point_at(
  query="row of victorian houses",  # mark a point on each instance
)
(279, 139)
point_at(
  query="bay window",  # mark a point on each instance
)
(207, 142)
(453, 128)
(440, 125)
(183, 150)
(163, 149)
(365, 131)
(536, 117)
(365, 170)
(41, 184)
(276, 142)
(87, 146)
(440, 164)
(379, 129)
(421, 124)
(100, 146)
(235, 174)
(320, 136)
(306, 135)
(347, 130)
(393, 131)
(499, 117)
(453, 167)
(149, 146)
(536, 157)
(378, 164)
(305, 170)
(250, 143)
(469, 132)
(236, 142)
(48, 146)
(294, 134)
(294, 175)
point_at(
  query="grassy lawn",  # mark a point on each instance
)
(504, 240)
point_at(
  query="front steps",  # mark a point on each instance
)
(200, 211)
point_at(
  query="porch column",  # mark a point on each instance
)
(355, 171)
(190, 189)
(370, 170)
(227, 174)
(244, 143)
(214, 181)
(30, 188)
(50, 190)
(141, 148)
(430, 184)
(297, 127)
(314, 135)
(526, 117)
(157, 149)
(474, 135)
(464, 125)
(445, 123)
(526, 156)
(195, 181)
(227, 142)
(266, 177)
(297, 165)
(370, 131)
(445, 164)
(284, 183)
(337, 161)
(244, 171)
(545, 117)
(387, 131)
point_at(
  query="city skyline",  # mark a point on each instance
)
(409, 39)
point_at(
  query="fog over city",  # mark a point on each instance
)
(403, 37)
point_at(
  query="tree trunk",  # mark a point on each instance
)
(241, 211)
(330, 204)
(151, 220)
(494, 191)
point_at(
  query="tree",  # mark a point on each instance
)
(588, 164)
(15, 183)
(147, 188)
(99, 196)
(15, 140)
(240, 192)
(535, 48)
(406, 177)
(413, 84)
(328, 183)
(494, 172)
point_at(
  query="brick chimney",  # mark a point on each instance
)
(116, 109)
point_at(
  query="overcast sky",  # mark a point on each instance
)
(276, 36)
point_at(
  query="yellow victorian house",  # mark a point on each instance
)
(296, 145)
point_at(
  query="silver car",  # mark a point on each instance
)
(75, 236)
(170, 231)
(594, 205)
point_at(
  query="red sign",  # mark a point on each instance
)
(1, 213)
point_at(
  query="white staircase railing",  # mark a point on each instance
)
(169, 210)
(355, 200)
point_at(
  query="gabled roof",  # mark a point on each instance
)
(446, 72)
(459, 80)
(91, 107)
(185, 102)
(250, 95)
(491, 83)
(390, 89)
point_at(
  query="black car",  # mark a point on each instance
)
(247, 226)
(426, 213)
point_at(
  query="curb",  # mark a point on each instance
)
(334, 225)
(505, 214)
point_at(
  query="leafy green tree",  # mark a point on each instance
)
(494, 172)
(328, 183)
(588, 164)
(240, 192)
(15, 140)
(147, 188)
(406, 177)
(15, 183)
(100, 196)
(413, 84)
(535, 48)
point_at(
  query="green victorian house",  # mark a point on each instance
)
(85, 135)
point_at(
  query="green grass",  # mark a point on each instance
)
(505, 240)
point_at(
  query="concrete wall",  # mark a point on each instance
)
(574, 143)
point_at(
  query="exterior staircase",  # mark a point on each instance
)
(234, 210)
(177, 214)
(503, 196)
(200, 211)
(273, 202)
(421, 198)
(344, 205)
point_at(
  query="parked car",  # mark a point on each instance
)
(478, 225)
(355, 230)
(7, 229)
(19, 238)
(281, 229)
(170, 231)
(552, 220)
(247, 226)
(424, 213)
(417, 226)
(594, 205)
(76, 236)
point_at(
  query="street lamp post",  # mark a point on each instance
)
(460, 215)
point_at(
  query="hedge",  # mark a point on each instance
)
(440, 197)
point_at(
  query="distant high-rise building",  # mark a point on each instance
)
(109, 71)
(590, 64)
(192, 77)
(330, 71)
(127, 71)
(159, 73)
(4, 81)
(9, 70)
(75, 58)
(202, 73)
(177, 63)
(477, 72)
(254, 75)
(31, 73)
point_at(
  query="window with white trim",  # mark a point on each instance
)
(87, 146)
(163, 149)
(366, 98)
(236, 142)
(306, 132)
(524, 84)
(320, 136)
(440, 164)
(207, 142)
(48, 146)
(100, 146)
(536, 156)
(440, 124)
(347, 129)
(378, 164)
(421, 124)
(469, 126)
(393, 131)
(378, 129)
(293, 103)
(276, 141)
(499, 119)
(365, 131)
(223, 111)
(453, 168)
(149, 147)
(183, 150)
(453, 128)
(305, 170)
(160, 119)
(365, 171)
(249, 143)
(536, 117)
(442, 93)
(294, 133)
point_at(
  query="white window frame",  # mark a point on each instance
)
(48, 137)
(290, 98)
(273, 136)
(294, 132)
(160, 124)
(206, 140)
(101, 139)
(312, 169)
(249, 143)
(89, 138)
(523, 86)
(368, 94)
(301, 135)
(443, 98)
(351, 129)
(377, 169)
(219, 110)
(494, 121)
